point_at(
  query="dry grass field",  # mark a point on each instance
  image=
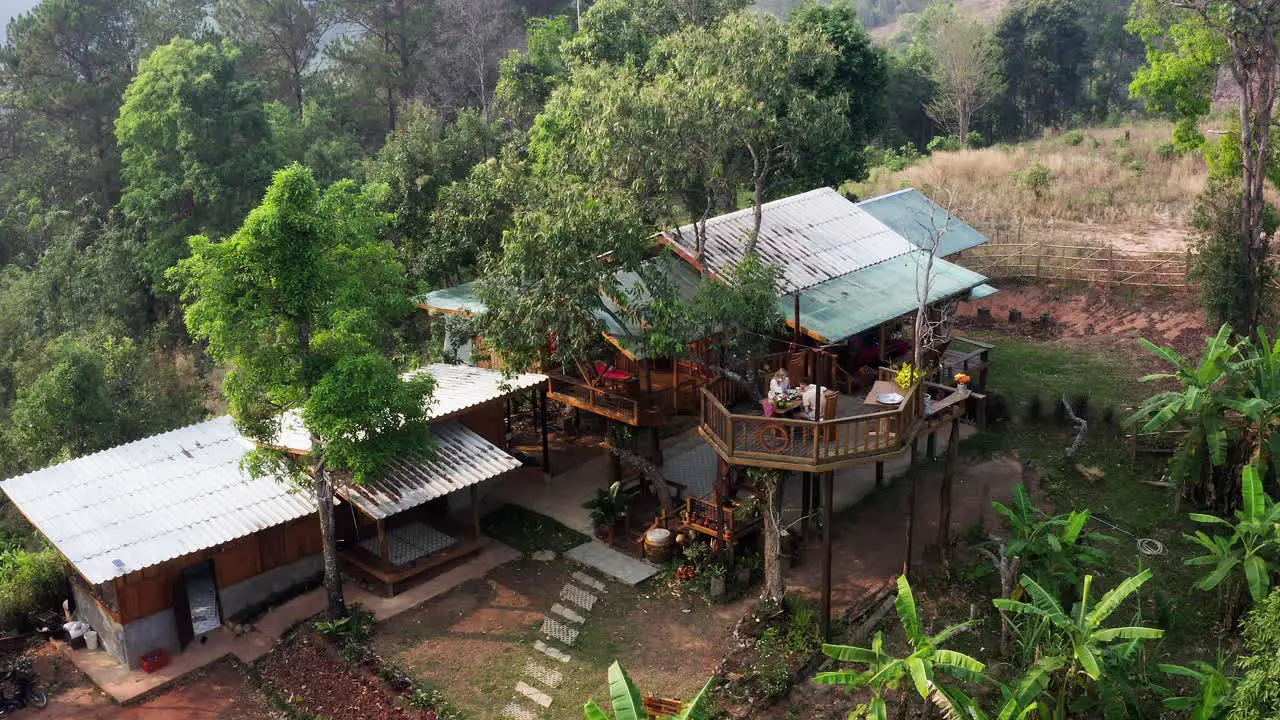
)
(1109, 185)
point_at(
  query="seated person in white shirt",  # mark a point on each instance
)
(779, 384)
(809, 398)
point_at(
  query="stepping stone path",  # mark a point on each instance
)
(544, 555)
(557, 630)
(567, 614)
(589, 581)
(544, 675)
(534, 694)
(578, 596)
(560, 627)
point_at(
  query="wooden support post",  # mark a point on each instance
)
(546, 442)
(944, 497)
(475, 509)
(655, 445)
(931, 445)
(806, 504)
(384, 544)
(880, 474)
(796, 316)
(911, 520)
(827, 503)
(615, 460)
(507, 418)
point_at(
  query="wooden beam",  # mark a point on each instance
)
(806, 504)
(384, 544)
(546, 444)
(880, 474)
(884, 340)
(475, 509)
(948, 475)
(828, 489)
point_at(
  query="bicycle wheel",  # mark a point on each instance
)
(37, 699)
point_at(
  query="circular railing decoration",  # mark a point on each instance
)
(774, 438)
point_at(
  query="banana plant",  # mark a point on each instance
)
(1197, 408)
(1250, 548)
(1018, 702)
(885, 672)
(1259, 400)
(1214, 687)
(628, 703)
(1057, 547)
(1077, 641)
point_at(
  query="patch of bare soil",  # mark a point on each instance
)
(1090, 314)
(308, 673)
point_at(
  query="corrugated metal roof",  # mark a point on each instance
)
(982, 291)
(462, 459)
(917, 218)
(847, 305)
(457, 388)
(813, 237)
(457, 299)
(139, 504)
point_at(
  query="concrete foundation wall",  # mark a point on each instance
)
(235, 598)
(110, 633)
(153, 632)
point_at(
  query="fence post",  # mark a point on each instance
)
(1111, 265)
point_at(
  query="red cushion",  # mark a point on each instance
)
(617, 375)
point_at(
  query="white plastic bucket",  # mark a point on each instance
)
(91, 640)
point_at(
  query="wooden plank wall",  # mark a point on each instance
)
(489, 421)
(151, 590)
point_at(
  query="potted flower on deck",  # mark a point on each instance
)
(607, 510)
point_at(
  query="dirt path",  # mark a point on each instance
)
(220, 691)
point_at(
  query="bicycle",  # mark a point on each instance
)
(25, 694)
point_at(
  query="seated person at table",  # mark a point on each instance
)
(779, 384)
(809, 397)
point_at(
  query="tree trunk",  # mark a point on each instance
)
(1254, 69)
(944, 496)
(911, 516)
(774, 587)
(337, 605)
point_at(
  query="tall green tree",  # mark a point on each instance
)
(100, 391)
(1257, 695)
(559, 278)
(1191, 38)
(862, 68)
(960, 56)
(282, 37)
(388, 55)
(1044, 46)
(526, 79)
(195, 146)
(625, 31)
(424, 155)
(301, 303)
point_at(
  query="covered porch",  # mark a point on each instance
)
(422, 514)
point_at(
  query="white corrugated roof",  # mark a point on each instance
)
(813, 237)
(457, 388)
(159, 498)
(462, 459)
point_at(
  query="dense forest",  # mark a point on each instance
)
(129, 126)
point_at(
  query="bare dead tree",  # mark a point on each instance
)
(1251, 30)
(928, 331)
(475, 30)
(1008, 569)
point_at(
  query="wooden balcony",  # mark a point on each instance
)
(639, 411)
(703, 516)
(850, 438)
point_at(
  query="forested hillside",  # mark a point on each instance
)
(129, 126)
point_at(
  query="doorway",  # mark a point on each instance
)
(202, 598)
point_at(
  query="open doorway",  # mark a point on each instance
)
(202, 598)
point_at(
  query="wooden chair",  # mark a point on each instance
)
(830, 410)
(798, 367)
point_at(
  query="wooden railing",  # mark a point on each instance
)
(807, 445)
(969, 357)
(578, 393)
(704, 516)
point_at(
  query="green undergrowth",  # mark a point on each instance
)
(1102, 477)
(527, 531)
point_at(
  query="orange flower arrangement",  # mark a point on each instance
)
(962, 379)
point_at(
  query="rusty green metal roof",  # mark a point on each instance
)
(919, 219)
(845, 306)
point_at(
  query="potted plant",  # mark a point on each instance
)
(607, 510)
(715, 577)
(1015, 316)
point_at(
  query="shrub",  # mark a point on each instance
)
(1036, 178)
(29, 582)
(944, 143)
(1073, 137)
(1219, 267)
(1166, 151)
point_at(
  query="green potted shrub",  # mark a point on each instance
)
(715, 576)
(607, 510)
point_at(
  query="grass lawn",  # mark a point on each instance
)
(1121, 503)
